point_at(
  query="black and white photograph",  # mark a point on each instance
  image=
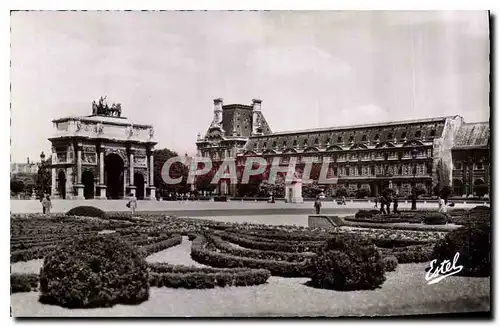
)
(251, 163)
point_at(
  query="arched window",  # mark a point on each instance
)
(274, 144)
(376, 138)
(351, 138)
(264, 145)
(316, 141)
(433, 132)
(339, 139)
(327, 141)
(390, 136)
(418, 134)
(284, 144)
(403, 135)
(305, 142)
(363, 139)
(294, 142)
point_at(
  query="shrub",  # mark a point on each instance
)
(435, 218)
(247, 242)
(390, 263)
(31, 254)
(474, 245)
(23, 282)
(94, 271)
(341, 191)
(86, 211)
(162, 245)
(413, 253)
(366, 213)
(480, 209)
(348, 265)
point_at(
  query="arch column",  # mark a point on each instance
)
(79, 185)
(102, 185)
(152, 188)
(131, 184)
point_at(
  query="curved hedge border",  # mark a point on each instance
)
(225, 247)
(251, 243)
(23, 282)
(160, 246)
(201, 254)
(280, 235)
(31, 254)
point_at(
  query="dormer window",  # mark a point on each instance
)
(294, 142)
(376, 138)
(274, 144)
(305, 142)
(339, 139)
(418, 134)
(351, 138)
(433, 132)
(363, 139)
(403, 135)
(327, 141)
(316, 141)
(390, 136)
(264, 145)
(284, 144)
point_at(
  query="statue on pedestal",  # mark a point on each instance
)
(103, 109)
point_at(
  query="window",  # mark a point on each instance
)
(316, 141)
(479, 165)
(433, 132)
(305, 142)
(403, 135)
(351, 138)
(274, 144)
(334, 171)
(377, 137)
(400, 170)
(339, 139)
(458, 165)
(359, 171)
(390, 136)
(418, 134)
(347, 171)
(284, 144)
(264, 145)
(237, 126)
(363, 138)
(294, 142)
(327, 140)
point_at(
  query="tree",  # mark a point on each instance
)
(341, 191)
(311, 190)
(16, 186)
(362, 192)
(481, 189)
(43, 182)
(177, 169)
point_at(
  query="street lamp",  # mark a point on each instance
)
(414, 153)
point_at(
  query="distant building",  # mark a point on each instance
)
(398, 154)
(26, 168)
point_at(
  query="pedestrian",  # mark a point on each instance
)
(46, 204)
(442, 207)
(343, 200)
(376, 202)
(395, 204)
(42, 202)
(388, 204)
(132, 203)
(317, 205)
(382, 205)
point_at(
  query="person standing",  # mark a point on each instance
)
(42, 202)
(376, 202)
(382, 205)
(395, 204)
(317, 204)
(132, 203)
(388, 204)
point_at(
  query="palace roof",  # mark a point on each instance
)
(473, 135)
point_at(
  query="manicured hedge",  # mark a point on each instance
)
(206, 256)
(348, 264)
(435, 218)
(23, 282)
(225, 247)
(390, 263)
(474, 245)
(414, 253)
(31, 254)
(281, 235)
(94, 271)
(86, 211)
(367, 213)
(162, 245)
(248, 242)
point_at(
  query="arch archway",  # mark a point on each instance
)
(139, 186)
(61, 184)
(458, 187)
(88, 184)
(113, 175)
(478, 182)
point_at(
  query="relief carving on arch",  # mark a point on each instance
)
(120, 152)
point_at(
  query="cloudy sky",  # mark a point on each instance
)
(311, 69)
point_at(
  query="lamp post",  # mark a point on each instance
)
(414, 153)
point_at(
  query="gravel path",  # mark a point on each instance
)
(176, 255)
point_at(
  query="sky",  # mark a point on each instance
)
(311, 69)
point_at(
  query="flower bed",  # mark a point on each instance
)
(204, 255)
(162, 245)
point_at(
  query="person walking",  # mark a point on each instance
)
(376, 202)
(395, 204)
(382, 205)
(442, 208)
(343, 200)
(388, 204)
(42, 202)
(47, 204)
(317, 204)
(132, 203)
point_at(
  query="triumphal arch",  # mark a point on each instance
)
(103, 156)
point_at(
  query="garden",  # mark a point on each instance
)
(148, 264)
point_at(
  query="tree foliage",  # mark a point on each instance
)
(176, 170)
(43, 182)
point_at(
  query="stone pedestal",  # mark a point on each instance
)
(103, 192)
(293, 192)
(79, 192)
(152, 193)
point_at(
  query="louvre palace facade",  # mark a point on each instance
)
(422, 152)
